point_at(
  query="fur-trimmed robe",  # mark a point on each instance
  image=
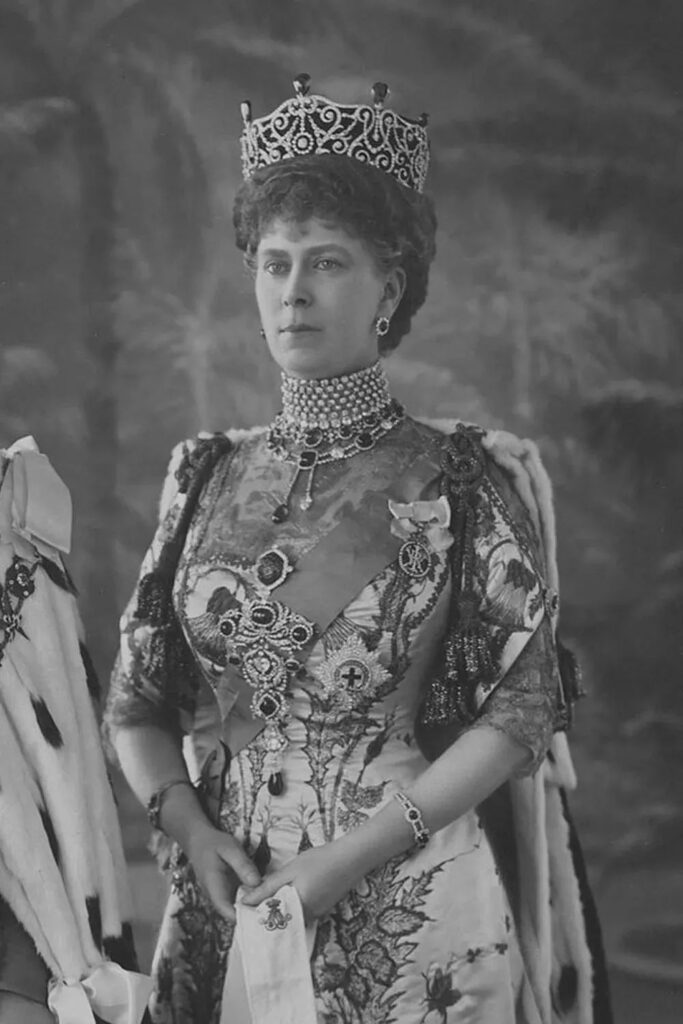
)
(62, 869)
(559, 930)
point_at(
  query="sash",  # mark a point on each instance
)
(326, 580)
(268, 980)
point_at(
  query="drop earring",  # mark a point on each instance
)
(382, 326)
(262, 333)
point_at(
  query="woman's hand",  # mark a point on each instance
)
(221, 866)
(322, 876)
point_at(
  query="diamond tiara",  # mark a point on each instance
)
(307, 125)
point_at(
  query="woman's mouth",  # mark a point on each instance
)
(297, 329)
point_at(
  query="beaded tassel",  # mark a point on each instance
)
(467, 656)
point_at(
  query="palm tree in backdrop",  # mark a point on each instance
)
(528, 95)
(75, 54)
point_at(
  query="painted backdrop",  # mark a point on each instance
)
(127, 323)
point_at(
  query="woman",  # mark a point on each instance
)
(350, 616)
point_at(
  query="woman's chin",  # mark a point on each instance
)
(306, 362)
(309, 362)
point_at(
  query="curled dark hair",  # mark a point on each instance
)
(397, 224)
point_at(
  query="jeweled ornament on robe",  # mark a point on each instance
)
(269, 704)
(263, 620)
(351, 674)
(263, 667)
(263, 638)
(414, 558)
(423, 526)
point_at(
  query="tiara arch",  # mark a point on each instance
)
(307, 125)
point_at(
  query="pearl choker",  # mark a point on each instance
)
(333, 401)
(328, 420)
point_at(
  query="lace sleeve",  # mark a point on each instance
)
(524, 704)
(139, 692)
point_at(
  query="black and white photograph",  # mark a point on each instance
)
(341, 468)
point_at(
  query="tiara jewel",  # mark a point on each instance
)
(308, 125)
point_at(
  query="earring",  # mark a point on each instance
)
(382, 326)
(262, 333)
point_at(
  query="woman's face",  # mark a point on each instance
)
(319, 293)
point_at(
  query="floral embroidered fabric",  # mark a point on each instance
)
(525, 705)
(429, 936)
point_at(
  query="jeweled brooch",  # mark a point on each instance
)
(423, 526)
(263, 638)
(272, 568)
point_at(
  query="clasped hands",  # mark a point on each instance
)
(322, 875)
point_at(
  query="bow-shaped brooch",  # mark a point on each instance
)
(423, 526)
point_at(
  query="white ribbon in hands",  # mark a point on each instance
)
(269, 972)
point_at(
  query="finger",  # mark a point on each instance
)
(268, 887)
(221, 892)
(244, 868)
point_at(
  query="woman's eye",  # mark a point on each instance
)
(275, 267)
(327, 263)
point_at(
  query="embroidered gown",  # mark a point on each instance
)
(431, 936)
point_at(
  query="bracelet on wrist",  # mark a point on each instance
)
(413, 816)
(156, 800)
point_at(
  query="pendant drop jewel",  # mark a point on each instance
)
(281, 513)
(307, 499)
(276, 784)
(274, 742)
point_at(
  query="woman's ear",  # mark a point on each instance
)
(393, 292)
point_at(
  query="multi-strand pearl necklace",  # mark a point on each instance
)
(328, 420)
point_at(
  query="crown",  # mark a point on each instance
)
(306, 125)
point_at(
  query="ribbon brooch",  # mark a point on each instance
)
(423, 526)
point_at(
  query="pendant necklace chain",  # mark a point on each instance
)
(329, 420)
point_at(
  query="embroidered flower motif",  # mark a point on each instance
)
(440, 993)
(429, 519)
(351, 674)
(169, 524)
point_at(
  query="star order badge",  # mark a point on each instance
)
(351, 674)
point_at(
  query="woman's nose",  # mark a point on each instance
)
(296, 293)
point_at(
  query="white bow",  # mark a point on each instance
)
(36, 502)
(115, 995)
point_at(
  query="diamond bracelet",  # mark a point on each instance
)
(413, 816)
(155, 801)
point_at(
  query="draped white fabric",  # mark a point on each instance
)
(62, 869)
(269, 981)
